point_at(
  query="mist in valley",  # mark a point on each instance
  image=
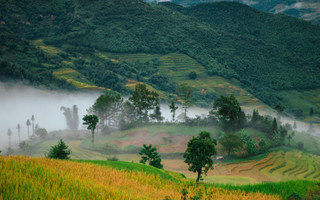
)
(19, 103)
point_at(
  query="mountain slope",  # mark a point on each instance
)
(83, 30)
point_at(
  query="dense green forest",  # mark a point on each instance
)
(265, 52)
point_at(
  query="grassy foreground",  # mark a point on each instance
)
(24, 177)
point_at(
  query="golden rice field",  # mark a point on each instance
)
(24, 177)
(72, 76)
(277, 166)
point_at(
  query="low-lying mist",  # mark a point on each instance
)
(18, 103)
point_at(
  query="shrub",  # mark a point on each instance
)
(294, 195)
(114, 158)
(192, 75)
(300, 145)
(59, 151)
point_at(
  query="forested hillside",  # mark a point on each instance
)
(265, 52)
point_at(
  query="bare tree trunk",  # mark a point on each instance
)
(19, 135)
(28, 132)
(9, 141)
(92, 139)
(198, 178)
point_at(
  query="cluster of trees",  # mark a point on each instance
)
(113, 113)
(24, 145)
(72, 116)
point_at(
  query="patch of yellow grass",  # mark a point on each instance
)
(41, 178)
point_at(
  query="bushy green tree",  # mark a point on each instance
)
(142, 101)
(230, 143)
(199, 152)
(91, 121)
(229, 112)
(59, 151)
(150, 154)
(42, 133)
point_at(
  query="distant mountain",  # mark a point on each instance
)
(308, 10)
(264, 52)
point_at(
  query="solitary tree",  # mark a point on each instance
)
(33, 119)
(230, 143)
(60, 151)
(173, 109)
(185, 93)
(91, 121)
(9, 132)
(274, 126)
(28, 124)
(150, 154)
(19, 128)
(199, 152)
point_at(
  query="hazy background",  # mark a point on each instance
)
(18, 103)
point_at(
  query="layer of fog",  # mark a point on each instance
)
(297, 6)
(18, 103)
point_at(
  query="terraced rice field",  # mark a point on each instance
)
(277, 166)
(178, 66)
(48, 49)
(77, 79)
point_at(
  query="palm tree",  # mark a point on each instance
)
(28, 124)
(33, 119)
(9, 134)
(18, 127)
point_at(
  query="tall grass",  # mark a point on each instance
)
(24, 177)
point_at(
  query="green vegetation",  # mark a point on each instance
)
(130, 166)
(199, 152)
(91, 121)
(150, 154)
(59, 151)
(264, 55)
